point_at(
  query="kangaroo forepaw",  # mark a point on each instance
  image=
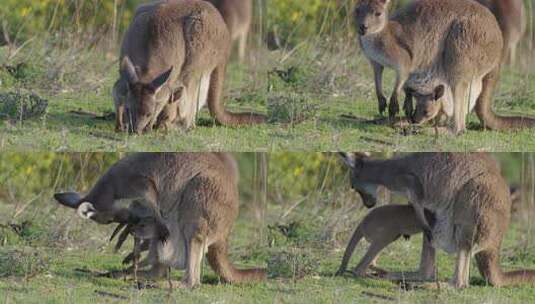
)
(408, 108)
(340, 272)
(382, 104)
(393, 108)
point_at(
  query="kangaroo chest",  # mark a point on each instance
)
(375, 50)
(444, 232)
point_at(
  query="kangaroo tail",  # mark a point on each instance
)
(489, 267)
(486, 115)
(217, 109)
(355, 239)
(218, 259)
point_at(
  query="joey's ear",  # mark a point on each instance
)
(384, 2)
(177, 94)
(128, 71)
(348, 159)
(69, 199)
(159, 81)
(439, 92)
(351, 159)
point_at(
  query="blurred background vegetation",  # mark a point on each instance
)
(288, 177)
(289, 19)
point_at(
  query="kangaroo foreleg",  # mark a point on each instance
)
(378, 78)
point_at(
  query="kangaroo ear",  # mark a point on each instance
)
(384, 2)
(439, 92)
(159, 81)
(410, 91)
(128, 71)
(69, 199)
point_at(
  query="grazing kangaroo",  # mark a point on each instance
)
(458, 42)
(194, 195)
(468, 196)
(511, 16)
(173, 60)
(238, 15)
(381, 227)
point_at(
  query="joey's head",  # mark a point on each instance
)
(355, 162)
(146, 100)
(127, 211)
(89, 210)
(371, 16)
(428, 104)
(145, 222)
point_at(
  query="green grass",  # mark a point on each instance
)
(41, 265)
(332, 77)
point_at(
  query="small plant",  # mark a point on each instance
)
(22, 106)
(290, 108)
(22, 262)
(294, 263)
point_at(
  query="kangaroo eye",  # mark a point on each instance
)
(378, 14)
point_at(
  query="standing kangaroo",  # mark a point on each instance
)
(381, 227)
(238, 15)
(458, 42)
(468, 196)
(173, 60)
(194, 195)
(511, 16)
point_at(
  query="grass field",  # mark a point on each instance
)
(49, 255)
(317, 82)
(43, 262)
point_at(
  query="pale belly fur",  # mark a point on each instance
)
(196, 98)
(173, 252)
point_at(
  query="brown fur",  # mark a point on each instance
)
(195, 195)
(238, 15)
(173, 60)
(381, 227)
(468, 196)
(511, 16)
(458, 42)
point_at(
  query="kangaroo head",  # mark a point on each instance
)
(145, 101)
(371, 16)
(368, 192)
(428, 105)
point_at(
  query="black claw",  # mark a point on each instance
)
(116, 231)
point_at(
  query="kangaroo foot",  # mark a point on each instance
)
(413, 276)
(393, 108)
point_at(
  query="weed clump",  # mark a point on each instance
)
(22, 106)
(22, 262)
(295, 263)
(290, 108)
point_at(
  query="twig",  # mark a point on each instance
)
(289, 210)
(382, 297)
(111, 295)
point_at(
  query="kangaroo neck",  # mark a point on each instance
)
(380, 172)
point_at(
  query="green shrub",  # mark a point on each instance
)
(22, 261)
